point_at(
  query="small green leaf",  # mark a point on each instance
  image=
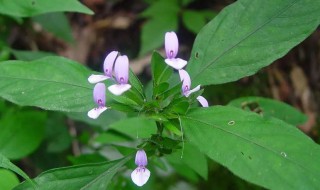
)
(28, 8)
(255, 148)
(245, 37)
(7, 179)
(268, 107)
(85, 177)
(154, 29)
(161, 72)
(171, 127)
(21, 133)
(160, 89)
(161, 8)
(136, 83)
(193, 20)
(57, 23)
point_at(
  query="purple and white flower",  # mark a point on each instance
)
(172, 46)
(186, 87)
(99, 97)
(121, 72)
(141, 174)
(107, 68)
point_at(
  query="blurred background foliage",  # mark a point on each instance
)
(38, 140)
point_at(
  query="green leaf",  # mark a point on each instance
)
(153, 31)
(269, 107)
(26, 55)
(28, 8)
(20, 135)
(85, 177)
(5, 163)
(188, 155)
(51, 83)
(86, 159)
(57, 23)
(136, 83)
(57, 137)
(161, 72)
(7, 179)
(249, 35)
(255, 148)
(136, 127)
(161, 8)
(193, 20)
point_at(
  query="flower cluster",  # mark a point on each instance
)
(171, 47)
(113, 64)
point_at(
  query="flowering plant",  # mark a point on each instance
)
(147, 130)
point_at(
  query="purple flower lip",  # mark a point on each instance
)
(121, 72)
(186, 84)
(107, 68)
(99, 97)
(171, 44)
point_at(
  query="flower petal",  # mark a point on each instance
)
(171, 44)
(121, 69)
(141, 158)
(140, 176)
(118, 89)
(197, 88)
(99, 94)
(203, 101)
(186, 81)
(97, 78)
(176, 63)
(184, 75)
(95, 112)
(108, 63)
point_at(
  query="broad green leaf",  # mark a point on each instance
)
(86, 159)
(56, 23)
(28, 8)
(193, 20)
(21, 133)
(5, 163)
(161, 72)
(249, 35)
(264, 151)
(7, 179)
(51, 83)
(85, 177)
(26, 55)
(192, 158)
(136, 127)
(268, 107)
